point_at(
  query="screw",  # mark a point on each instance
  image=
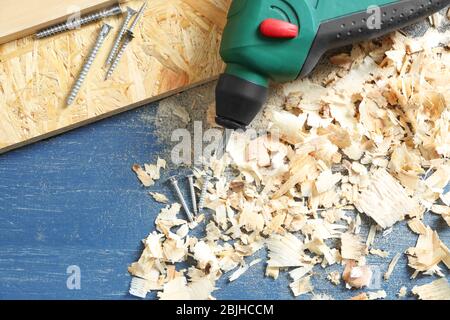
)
(201, 202)
(74, 24)
(88, 63)
(130, 13)
(193, 195)
(174, 182)
(129, 36)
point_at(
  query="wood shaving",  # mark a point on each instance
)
(334, 277)
(385, 200)
(381, 294)
(356, 276)
(391, 266)
(150, 173)
(362, 296)
(402, 292)
(159, 197)
(242, 269)
(351, 247)
(285, 251)
(143, 176)
(436, 290)
(443, 211)
(179, 289)
(379, 252)
(301, 286)
(428, 253)
(417, 226)
(445, 198)
(371, 235)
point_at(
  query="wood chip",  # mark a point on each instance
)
(391, 267)
(428, 253)
(334, 277)
(381, 294)
(443, 211)
(351, 247)
(143, 176)
(301, 286)
(385, 200)
(179, 289)
(402, 292)
(356, 276)
(436, 290)
(379, 252)
(159, 197)
(285, 251)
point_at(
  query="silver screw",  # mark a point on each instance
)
(174, 182)
(88, 63)
(193, 195)
(74, 24)
(130, 13)
(129, 36)
(201, 202)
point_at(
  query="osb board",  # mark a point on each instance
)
(176, 47)
(20, 18)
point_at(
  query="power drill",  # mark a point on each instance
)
(282, 40)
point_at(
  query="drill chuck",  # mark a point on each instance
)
(238, 101)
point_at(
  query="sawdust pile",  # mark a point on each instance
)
(373, 136)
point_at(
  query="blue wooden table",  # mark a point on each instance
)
(73, 201)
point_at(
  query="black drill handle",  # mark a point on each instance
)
(358, 27)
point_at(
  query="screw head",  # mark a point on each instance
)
(131, 11)
(172, 179)
(106, 28)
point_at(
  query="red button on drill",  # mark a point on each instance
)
(274, 28)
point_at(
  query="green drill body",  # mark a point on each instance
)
(256, 58)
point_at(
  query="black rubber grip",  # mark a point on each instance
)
(354, 28)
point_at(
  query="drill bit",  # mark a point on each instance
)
(223, 143)
(88, 63)
(129, 36)
(76, 23)
(129, 14)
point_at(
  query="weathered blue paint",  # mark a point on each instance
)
(73, 200)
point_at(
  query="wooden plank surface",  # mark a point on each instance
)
(20, 18)
(176, 47)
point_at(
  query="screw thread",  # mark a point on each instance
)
(76, 23)
(88, 63)
(116, 61)
(193, 196)
(201, 202)
(123, 29)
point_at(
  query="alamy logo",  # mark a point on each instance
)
(74, 18)
(374, 20)
(74, 279)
